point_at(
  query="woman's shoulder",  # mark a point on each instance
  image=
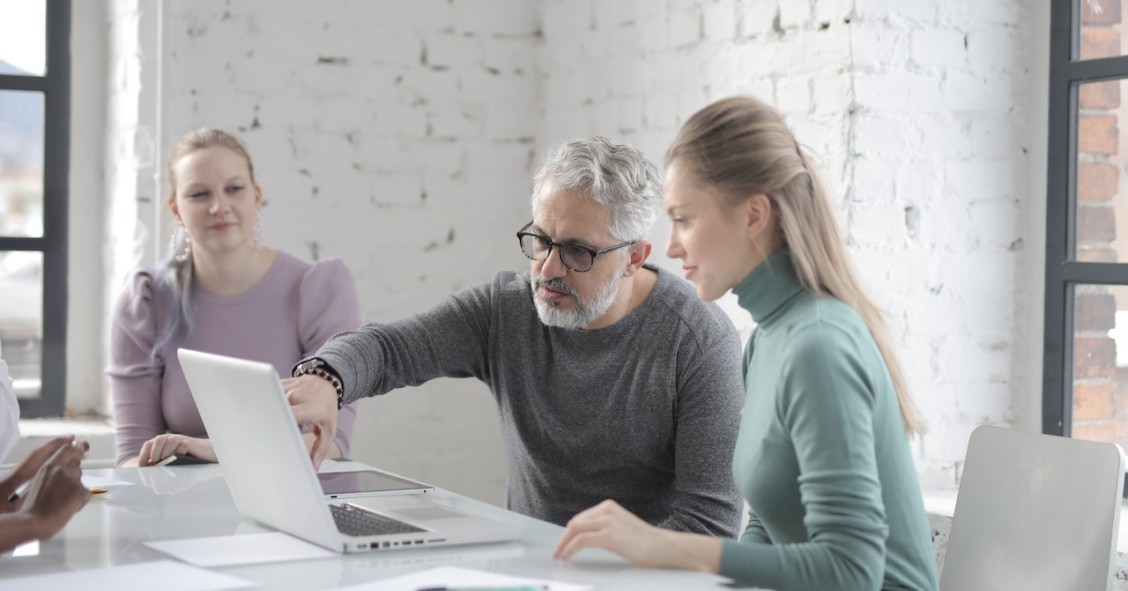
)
(325, 280)
(824, 328)
(142, 285)
(822, 316)
(327, 290)
(327, 274)
(330, 270)
(145, 298)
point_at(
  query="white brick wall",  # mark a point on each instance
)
(401, 136)
(395, 136)
(942, 130)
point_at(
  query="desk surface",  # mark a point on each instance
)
(193, 501)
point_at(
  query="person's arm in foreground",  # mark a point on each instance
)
(449, 340)
(55, 495)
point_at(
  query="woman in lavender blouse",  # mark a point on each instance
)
(220, 291)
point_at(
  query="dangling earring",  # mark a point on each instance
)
(184, 255)
(258, 232)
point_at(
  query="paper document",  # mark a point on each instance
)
(454, 577)
(165, 575)
(241, 549)
(106, 483)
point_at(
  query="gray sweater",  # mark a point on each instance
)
(644, 412)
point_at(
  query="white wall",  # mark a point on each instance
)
(401, 137)
(949, 130)
(86, 231)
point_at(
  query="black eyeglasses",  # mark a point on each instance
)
(577, 258)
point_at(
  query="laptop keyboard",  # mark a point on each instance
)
(355, 521)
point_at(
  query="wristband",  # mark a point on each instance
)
(318, 368)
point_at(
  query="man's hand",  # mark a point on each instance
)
(162, 446)
(314, 402)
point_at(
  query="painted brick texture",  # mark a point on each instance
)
(940, 150)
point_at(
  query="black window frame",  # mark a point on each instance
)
(55, 86)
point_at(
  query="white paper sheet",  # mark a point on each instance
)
(258, 548)
(165, 575)
(106, 483)
(455, 577)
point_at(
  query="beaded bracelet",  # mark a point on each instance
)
(330, 377)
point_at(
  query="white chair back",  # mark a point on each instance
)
(1035, 512)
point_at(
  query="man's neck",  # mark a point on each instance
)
(632, 293)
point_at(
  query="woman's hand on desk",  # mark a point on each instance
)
(162, 446)
(314, 402)
(611, 527)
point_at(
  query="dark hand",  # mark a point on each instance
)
(30, 465)
(57, 492)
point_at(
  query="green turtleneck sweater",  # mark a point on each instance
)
(822, 456)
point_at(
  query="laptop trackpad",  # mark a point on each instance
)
(427, 513)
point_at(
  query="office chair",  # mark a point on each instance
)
(1035, 512)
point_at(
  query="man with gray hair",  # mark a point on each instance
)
(613, 379)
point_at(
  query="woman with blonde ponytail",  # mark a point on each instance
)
(823, 456)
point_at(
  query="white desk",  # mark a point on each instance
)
(193, 501)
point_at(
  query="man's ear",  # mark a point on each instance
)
(757, 209)
(637, 253)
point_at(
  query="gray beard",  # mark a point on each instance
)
(585, 312)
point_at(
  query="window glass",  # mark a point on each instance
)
(1102, 28)
(33, 208)
(21, 163)
(21, 318)
(23, 37)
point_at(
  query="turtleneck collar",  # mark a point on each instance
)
(768, 286)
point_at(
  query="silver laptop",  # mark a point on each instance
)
(271, 478)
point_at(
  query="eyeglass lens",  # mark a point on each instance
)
(574, 257)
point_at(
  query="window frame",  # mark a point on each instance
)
(55, 86)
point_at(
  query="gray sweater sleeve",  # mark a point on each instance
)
(450, 340)
(708, 420)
